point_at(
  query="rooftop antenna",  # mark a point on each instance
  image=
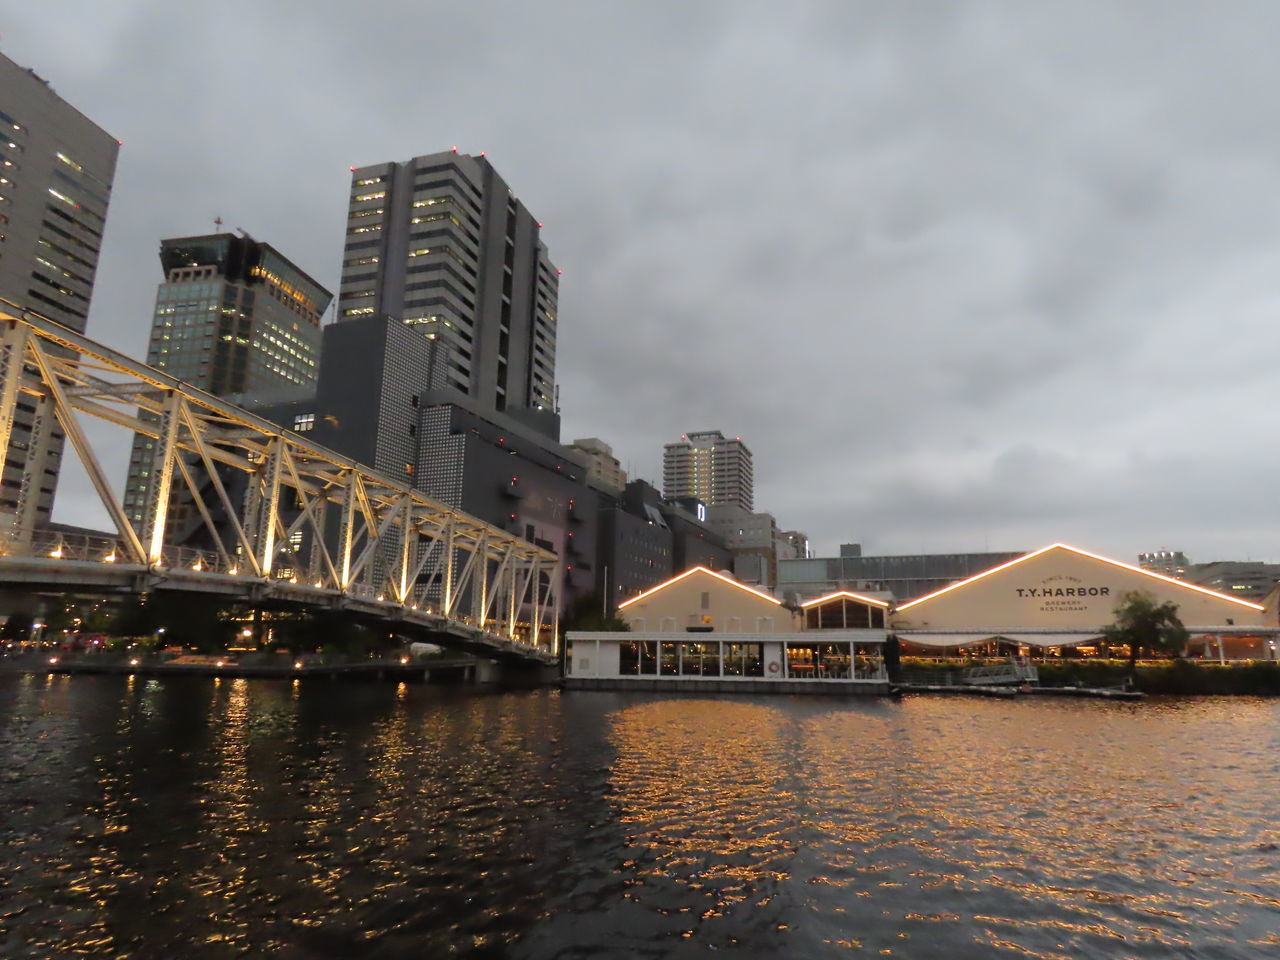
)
(217, 224)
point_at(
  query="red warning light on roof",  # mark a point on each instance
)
(453, 149)
(352, 169)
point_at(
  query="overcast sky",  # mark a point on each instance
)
(963, 276)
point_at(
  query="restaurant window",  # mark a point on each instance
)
(638, 658)
(670, 664)
(700, 659)
(844, 614)
(819, 661)
(743, 660)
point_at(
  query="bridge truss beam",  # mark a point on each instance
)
(390, 544)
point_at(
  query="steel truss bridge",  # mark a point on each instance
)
(305, 528)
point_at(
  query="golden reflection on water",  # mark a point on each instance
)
(1057, 827)
(703, 794)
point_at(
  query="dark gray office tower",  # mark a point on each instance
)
(56, 169)
(233, 315)
(367, 402)
(441, 243)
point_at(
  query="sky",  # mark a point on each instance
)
(964, 276)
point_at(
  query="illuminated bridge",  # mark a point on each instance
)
(289, 524)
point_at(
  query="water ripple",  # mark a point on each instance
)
(196, 818)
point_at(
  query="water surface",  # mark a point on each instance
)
(185, 817)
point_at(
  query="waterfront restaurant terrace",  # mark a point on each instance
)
(701, 644)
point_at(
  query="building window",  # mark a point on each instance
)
(304, 422)
(640, 657)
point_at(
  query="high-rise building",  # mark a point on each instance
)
(441, 243)
(232, 315)
(56, 169)
(709, 467)
(602, 465)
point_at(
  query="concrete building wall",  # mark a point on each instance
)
(516, 479)
(602, 465)
(635, 550)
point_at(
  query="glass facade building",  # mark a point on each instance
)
(232, 316)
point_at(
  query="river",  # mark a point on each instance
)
(195, 818)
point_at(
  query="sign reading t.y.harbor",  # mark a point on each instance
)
(1063, 594)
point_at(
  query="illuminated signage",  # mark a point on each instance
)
(1063, 591)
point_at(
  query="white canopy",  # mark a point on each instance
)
(1029, 639)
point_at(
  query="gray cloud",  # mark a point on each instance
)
(986, 274)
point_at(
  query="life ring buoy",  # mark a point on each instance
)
(773, 666)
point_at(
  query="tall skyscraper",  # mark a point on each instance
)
(56, 169)
(710, 467)
(232, 315)
(441, 243)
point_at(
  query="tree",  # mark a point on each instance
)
(1143, 624)
(586, 614)
(893, 658)
(58, 616)
(18, 627)
(189, 620)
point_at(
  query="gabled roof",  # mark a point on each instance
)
(861, 598)
(1083, 553)
(690, 572)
